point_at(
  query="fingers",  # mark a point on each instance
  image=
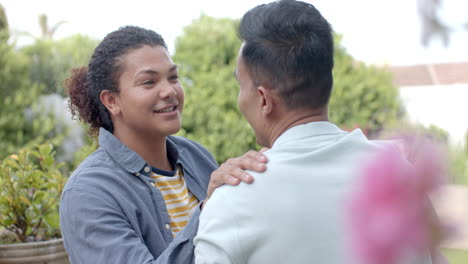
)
(232, 173)
(252, 160)
(263, 149)
(255, 155)
(226, 174)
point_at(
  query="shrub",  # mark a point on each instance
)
(30, 188)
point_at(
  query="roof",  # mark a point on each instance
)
(430, 74)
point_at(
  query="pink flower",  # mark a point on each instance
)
(389, 214)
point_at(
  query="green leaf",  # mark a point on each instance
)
(47, 161)
(7, 222)
(25, 200)
(39, 196)
(45, 149)
(53, 220)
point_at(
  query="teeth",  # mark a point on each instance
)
(165, 110)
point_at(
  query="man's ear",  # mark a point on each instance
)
(111, 101)
(267, 100)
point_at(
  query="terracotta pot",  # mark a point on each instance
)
(46, 252)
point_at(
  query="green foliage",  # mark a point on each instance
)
(459, 165)
(457, 157)
(432, 132)
(206, 52)
(13, 71)
(438, 133)
(3, 24)
(30, 188)
(455, 256)
(51, 61)
(466, 142)
(363, 95)
(16, 94)
(17, 131)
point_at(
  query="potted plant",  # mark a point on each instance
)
(30, 188)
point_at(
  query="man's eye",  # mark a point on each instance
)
(174, 77)
(148, 82)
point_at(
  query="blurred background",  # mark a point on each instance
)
(400, 64)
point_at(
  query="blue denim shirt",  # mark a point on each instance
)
(110, 212)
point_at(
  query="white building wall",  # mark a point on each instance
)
(445, 106)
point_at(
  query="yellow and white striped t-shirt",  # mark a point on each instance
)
(180, 202)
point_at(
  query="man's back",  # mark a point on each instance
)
(293, 213)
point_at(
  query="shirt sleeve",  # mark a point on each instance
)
(95, 230)
(217, 240)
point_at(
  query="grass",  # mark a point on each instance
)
(456, 256)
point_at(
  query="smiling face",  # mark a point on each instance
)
(151, 98)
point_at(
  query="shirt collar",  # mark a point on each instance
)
(312, 129)
(127, 158)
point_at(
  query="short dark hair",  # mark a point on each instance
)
(288, 45)
(86, 83)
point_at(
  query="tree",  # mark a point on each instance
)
(50, 63)
(48, 32)
(12, 69)
(3, 22)
(206, 53)
(16, 94)
(52, 60)
(363, 95)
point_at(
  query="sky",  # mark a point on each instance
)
(374, 31)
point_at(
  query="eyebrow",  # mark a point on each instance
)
(153, 72)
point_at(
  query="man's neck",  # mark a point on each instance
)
(294, 118)
(152, 148)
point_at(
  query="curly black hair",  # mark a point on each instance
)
(102, 73)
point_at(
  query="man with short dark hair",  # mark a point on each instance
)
(293, 212)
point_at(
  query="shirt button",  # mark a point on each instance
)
(168, 226)
(137, 174)
(146, 169)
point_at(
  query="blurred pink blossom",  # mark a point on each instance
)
(389, 213)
